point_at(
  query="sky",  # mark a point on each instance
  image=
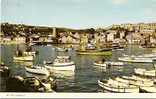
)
(77, 13)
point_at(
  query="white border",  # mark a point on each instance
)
(77, 95)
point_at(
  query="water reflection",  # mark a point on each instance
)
(85, 77)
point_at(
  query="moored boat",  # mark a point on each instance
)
(4, 70)
(108, 63)
(61, 49)
(117, 87)
(135, 82)
(135, 59)
(100, 64)
(143, 72)
(29, 53)
(23, 58)
(99, 52)
(151, 89)
(38, 70)
(62, 63)
(114, 63)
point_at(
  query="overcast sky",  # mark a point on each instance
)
(77, 13)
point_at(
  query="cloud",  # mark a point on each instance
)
(119, 2)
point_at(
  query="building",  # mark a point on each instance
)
(111, 35)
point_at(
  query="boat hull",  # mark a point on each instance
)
(24, 58)
(41, 71)
(137, 60)
(143, 72)
(117, 89)
(94, 53)
(62, 68)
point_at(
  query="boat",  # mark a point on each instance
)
(117, 87)
(135, 59)
(151, 89)
(23, 58)
(62, 63)
(143, 72)
(4, 70)
(135, 81)
(61, 49)
(152, 55)
(105, 64)
(114, 63)
(29, 53)
(37, 70)
(100, 64)
(154, 50)
(94, 52)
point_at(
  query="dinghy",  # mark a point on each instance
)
(62, 63)
(143, 72)
(37, 70)
(23, 58)
(117, 87)
(135, 59)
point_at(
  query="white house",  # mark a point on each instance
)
(111, 35)
(64, 39)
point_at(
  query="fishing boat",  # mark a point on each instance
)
(135, 59)
(29, 53)
(23, 58)
(62, 63)
(143, 72)
(152, 55)
(114, 63)
(117, 87)
(100, 64)
(154, 50)
(134, 81)
(4, 70)
(37, 70)
(151, 89)
(61, 49)
(108, 63)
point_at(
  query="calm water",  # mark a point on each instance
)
(86, 74)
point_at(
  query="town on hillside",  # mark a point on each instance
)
(143, 34)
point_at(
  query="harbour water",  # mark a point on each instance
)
(85, 77)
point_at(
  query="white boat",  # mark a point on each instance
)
(37, 70)
(62, 63)
(29, 53)
(114, 63)
(135, 59)
(61, 49)
(154, 50)
(151, 89)
(100, 64)
(143, 72)
(118, 87)
(109, 63)
(135, 82)
(23, 58)
(152, 55)
(135, 77)
(61, 68)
